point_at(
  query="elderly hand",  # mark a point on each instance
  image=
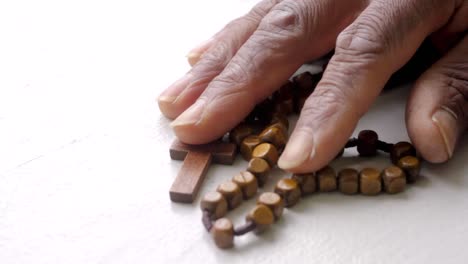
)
(253, 55)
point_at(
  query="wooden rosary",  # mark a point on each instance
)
(260, 139)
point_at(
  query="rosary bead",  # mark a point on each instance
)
(326, 179)
(247, 183)
(232, 193)
(273, 201)
(262, 112)
(267, 152)
(247, 146)
(284, 99)
(400, 150)
(394, 180)
(307, 182)
(260, 169)
(282, 119)
(261, 215)
(367, 143)
(223, 233)
(239, 133)
(411, 166)
(348, 181)
(289, 190)
(275, 136)
(215, 204)
(370, 181)
(305, 84)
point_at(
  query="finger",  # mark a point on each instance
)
(437, 110)
(450, 34)
(375, 45)
(214, 55)
(273, 53)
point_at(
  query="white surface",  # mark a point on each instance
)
(84, 164)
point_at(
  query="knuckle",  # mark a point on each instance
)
(285, 22)
(364, 39)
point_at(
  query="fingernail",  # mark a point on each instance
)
(175, 89)
(299, 149)
(193, 56)
(446, 121)
(191, 116)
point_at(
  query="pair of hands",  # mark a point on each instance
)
(253, 55)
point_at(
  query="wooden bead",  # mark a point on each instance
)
(247, 146)
(306, 82)
(247, 183)
(260, 169)
(261, 215)
(367, 143)
(215, 204)
(348, 181)
(273, 201)
(394, 180)
(266, 151)
(281, 126)
(232, 193)
(411, 166)
(262, 112)
(239, 133)
(326, 179)
(223, 233)
(400, 150)
(370, 181)
(282, 119)
(275, 136)
(307, 182)
(284, 99)
(289, 191)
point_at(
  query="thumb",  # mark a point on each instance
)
(437, 110)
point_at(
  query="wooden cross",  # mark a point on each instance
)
(197, 159)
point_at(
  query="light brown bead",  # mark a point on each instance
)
(394, 180)
(261, 215)
(215, 204)
(239, 133)
(266, 151)
(247, 146)
(289, 191)
(348, 181)
(260, 169)
(273, 201)
(223, 233)
(247, 183)
(282, 120)
(275, 136)
(411, 166)
(370, 181)
(307, 182)
(326, 179)
(400, 150)
(232, 193)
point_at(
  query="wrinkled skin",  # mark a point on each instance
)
(253, 55)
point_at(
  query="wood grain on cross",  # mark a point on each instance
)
(197, 159)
